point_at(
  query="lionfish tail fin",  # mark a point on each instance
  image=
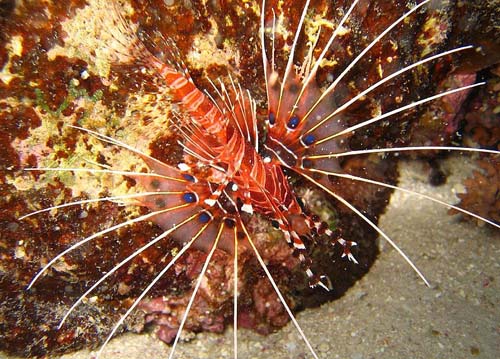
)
(127, 43)
(162, 49)
(120, 36)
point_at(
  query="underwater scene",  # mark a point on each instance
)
(249, 179)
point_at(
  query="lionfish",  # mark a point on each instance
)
(236, 165)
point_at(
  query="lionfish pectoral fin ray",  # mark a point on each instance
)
(145, 157)
(381, 82)
(235, 294)
(370, 223)
(396, 111)
(311, 74)
(289, 65)
(98, 234)
(195, 290)
(96, 200)
(278, 292)
(122, 263)
(93, 170)
(360, 56)
(150, 285)
(402, 149)
(402, 189)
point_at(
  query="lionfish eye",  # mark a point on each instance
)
(275, 224)
(272, 118)
(189, 197)
(293, 123)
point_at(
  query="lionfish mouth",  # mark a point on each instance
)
(205, 202)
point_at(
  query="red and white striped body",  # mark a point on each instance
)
(228, 176)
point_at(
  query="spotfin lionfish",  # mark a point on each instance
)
(235, 165)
